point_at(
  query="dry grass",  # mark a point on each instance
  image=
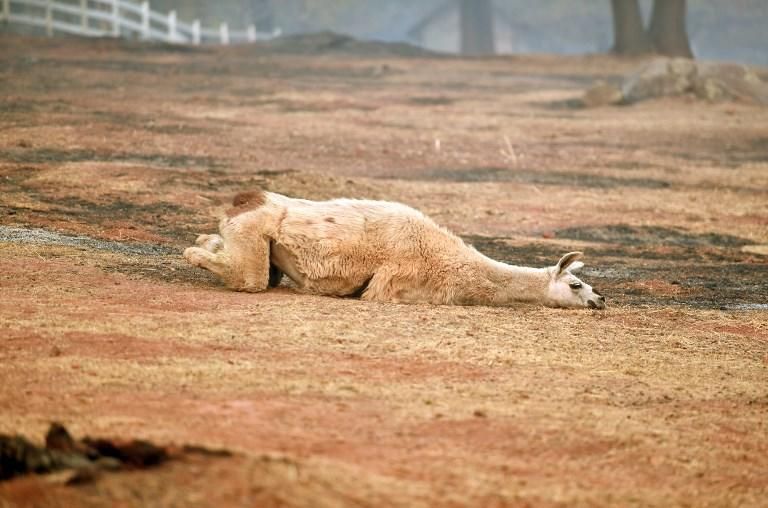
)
(659, 401)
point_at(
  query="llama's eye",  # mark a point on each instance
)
(575, 285)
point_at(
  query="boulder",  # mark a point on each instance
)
(711, 81)
(717, 82)
(659, 78)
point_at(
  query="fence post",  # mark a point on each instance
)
(145, 20)
(84, 14)
(172, 26)
(251, 33)
(115, 18)
(224, 33)
(196, 32)
(48, 19)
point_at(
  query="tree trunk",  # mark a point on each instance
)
(629, 37)
(667, 30)
(476, 20)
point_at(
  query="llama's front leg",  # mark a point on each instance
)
(396, 284)
(204, 258)
(380, 287)
(242, 265)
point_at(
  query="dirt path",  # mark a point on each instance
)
(113, 156)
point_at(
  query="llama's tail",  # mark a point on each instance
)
(246, 201)
(254, 198)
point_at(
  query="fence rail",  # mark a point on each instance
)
(121, 18)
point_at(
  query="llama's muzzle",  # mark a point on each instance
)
(599, 303)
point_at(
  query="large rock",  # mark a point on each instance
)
(659, 78)
(718, 82)
(714, 82)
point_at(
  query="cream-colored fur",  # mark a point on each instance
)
(391, 251)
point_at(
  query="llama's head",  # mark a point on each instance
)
(566, 290)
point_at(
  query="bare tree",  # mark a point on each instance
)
(476, 20)
(630, 37)
(666, 34)
(667, 30)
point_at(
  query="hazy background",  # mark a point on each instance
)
(733, 30)
(719, 30)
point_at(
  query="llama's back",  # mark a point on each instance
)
(386, 251)
(344, 242)
(379, 227)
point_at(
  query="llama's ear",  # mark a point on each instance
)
(567, 261)
(576, 266)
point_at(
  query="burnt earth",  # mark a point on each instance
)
(18, 456)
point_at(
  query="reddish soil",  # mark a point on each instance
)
(114, 155)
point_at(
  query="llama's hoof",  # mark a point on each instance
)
(193, 256)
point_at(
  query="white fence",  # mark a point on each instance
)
(120, 18)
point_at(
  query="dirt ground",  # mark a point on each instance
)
(115, 155)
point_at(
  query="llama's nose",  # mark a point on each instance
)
(596, 304)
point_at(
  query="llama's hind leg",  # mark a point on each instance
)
(275, 276)
(247, 253)
(395, 284)
(379, 287)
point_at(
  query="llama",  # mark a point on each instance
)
(375, 250)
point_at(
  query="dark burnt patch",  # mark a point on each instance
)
(18, 105)
(173, 222)
(499, 174)
(707, 286)
(650, 235)
(41, 155)
(13, 178)
(112, 64)
(143, 260)
(45, 237)
(223, 181)
(436, 100)
(161, 217)
(690, 275)
(153, 47)
(170, 269)
(759, 143)
(633, 165)
(293, 106)
(560, 105)
(731, 156)
(498, 248)
(87, 458)
(121, 120)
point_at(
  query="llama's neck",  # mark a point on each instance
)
(508, 284)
